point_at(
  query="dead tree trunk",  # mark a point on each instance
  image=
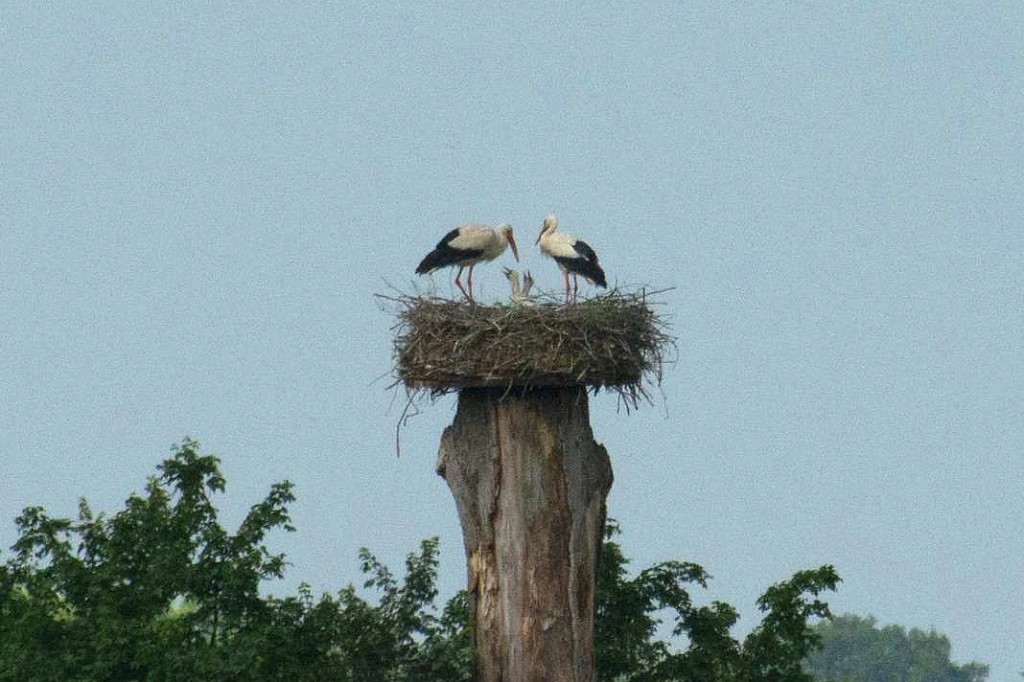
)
(530, 485)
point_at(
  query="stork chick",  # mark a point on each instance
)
(520, 295)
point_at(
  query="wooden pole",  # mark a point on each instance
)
(530, 485)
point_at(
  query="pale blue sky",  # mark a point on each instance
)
(199, 200)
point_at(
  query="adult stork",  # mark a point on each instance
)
(574, 256)
(467, 245)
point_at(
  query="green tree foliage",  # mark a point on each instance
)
(628, 613)
(855, 649)
(162, 592)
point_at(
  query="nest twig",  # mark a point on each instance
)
(614, 341)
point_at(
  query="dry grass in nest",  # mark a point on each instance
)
(615, 341)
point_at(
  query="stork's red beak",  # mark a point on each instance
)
(512, 243)
(540, 235)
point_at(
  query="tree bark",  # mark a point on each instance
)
(530, 485)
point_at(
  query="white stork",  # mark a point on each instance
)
(574, 256)
(466, 246)
(520, 295)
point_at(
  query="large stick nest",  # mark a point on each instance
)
(614, 341)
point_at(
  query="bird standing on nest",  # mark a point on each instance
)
(467, 245)
(520, 295)
(574, 256)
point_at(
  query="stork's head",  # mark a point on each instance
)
(550, 225)
(510, 274)
(527, 283)
(505, 230)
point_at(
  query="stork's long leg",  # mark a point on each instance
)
(471, 283)
(566, 274)
(575, 286)
(458, 282)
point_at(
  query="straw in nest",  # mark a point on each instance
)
(614, 341)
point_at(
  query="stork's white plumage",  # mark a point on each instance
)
(574, 256)
(467, 245)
